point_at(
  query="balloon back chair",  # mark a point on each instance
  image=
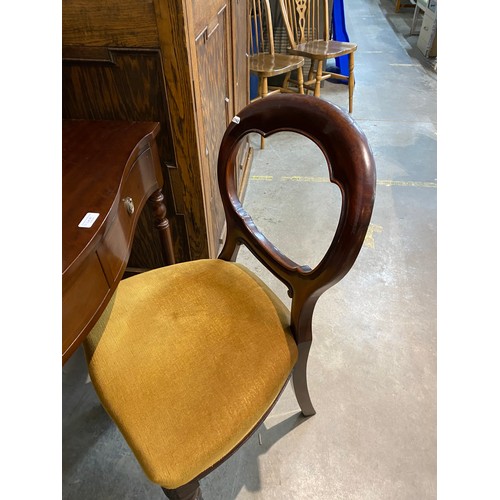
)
(189, 359)
(307, 24)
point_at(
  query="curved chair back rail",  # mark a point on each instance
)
(351, 167)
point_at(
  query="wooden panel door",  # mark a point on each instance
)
(214, 105)
(239, 46)
(241, 82)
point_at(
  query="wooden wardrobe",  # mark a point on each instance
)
(182, 63)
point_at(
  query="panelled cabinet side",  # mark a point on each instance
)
(174, 33)
(144, 60)
(220, 87)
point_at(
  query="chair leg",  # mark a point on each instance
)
(286, 80)
(299, 380)
(351, 79)
(300, 78)
(311, 73)
(264, 91)
(190, 491)
(319, 74)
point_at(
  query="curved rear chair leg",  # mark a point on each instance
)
(190, 491)
(300, 381)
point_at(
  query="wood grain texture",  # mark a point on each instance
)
(174, 20)
(137, 60)
(127, 84)
(213, 57)
(203, 15)
(241, 76)
(241, 79)
(128, 23)
(110, 168)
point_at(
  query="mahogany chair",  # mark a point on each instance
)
(189, 359)
(263, 61)
(308, 29)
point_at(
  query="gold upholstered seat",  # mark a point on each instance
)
(189, 359)
(183, 391)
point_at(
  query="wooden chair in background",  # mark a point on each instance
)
(263, 60)
(398, 5)
(189, 359)
(308, 27)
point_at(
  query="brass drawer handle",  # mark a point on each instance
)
(129, 205)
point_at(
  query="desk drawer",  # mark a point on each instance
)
(140, 183)
(83, 293)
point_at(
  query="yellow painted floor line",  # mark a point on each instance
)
(403, 64)
(369, 238)
(387, 183)
(299, 178)
(261, 177)
(407, 183)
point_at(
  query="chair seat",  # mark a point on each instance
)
(267, 65)
(323, 49)
(187, 359)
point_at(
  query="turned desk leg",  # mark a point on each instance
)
(161, 222)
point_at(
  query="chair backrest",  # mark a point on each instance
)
(260, 27)
(351, 166)
(306, 20)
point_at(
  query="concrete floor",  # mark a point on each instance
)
(372, 368)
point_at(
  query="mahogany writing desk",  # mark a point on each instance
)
(109, 170)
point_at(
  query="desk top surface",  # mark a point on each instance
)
(96, 157)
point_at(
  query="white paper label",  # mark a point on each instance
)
(88, 220)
